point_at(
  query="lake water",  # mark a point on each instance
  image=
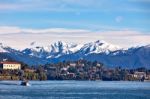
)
(75, 90)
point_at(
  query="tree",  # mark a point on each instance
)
(72, 69)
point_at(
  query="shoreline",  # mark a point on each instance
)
(85, 80)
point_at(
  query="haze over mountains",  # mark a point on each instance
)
(110, 55)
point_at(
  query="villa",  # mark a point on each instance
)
(10, 65)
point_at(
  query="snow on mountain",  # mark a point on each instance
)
(35, 50)
(98, 46)
(62, 48)
(35, 47)
(76, 48)
(2, 48)
(147, 46)
(13, 54)
(54, 50)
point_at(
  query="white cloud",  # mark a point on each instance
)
(21, 38)
(9, 29)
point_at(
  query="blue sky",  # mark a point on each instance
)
(91, 15)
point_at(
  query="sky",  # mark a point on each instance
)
(121, 22)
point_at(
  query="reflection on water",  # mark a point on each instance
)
(75, 89)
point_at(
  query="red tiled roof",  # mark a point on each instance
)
(9, 62)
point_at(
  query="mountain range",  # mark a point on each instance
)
(101, 51)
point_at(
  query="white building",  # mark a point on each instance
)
(10, 65)
(73, 64)
(139, 74)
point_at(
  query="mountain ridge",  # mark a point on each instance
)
(110, 55)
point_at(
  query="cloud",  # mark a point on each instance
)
(21, 38)
(14, 30)
(8, 29)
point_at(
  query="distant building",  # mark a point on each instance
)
(30, 70)
(81, 65)
(98, 65)
(139, 74)
(73, 64)
(148, 77)
(71, 75)
(10, 65)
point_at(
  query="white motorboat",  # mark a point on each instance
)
(25, 83)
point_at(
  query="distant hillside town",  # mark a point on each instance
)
(71, 70)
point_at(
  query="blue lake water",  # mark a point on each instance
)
(75, 90)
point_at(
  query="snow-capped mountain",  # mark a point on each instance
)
(61, 48)
(110, 55)
(131, 58)
(52, 51)
(98, 46)
(35, 50)
(2, 48)
(13, 54)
